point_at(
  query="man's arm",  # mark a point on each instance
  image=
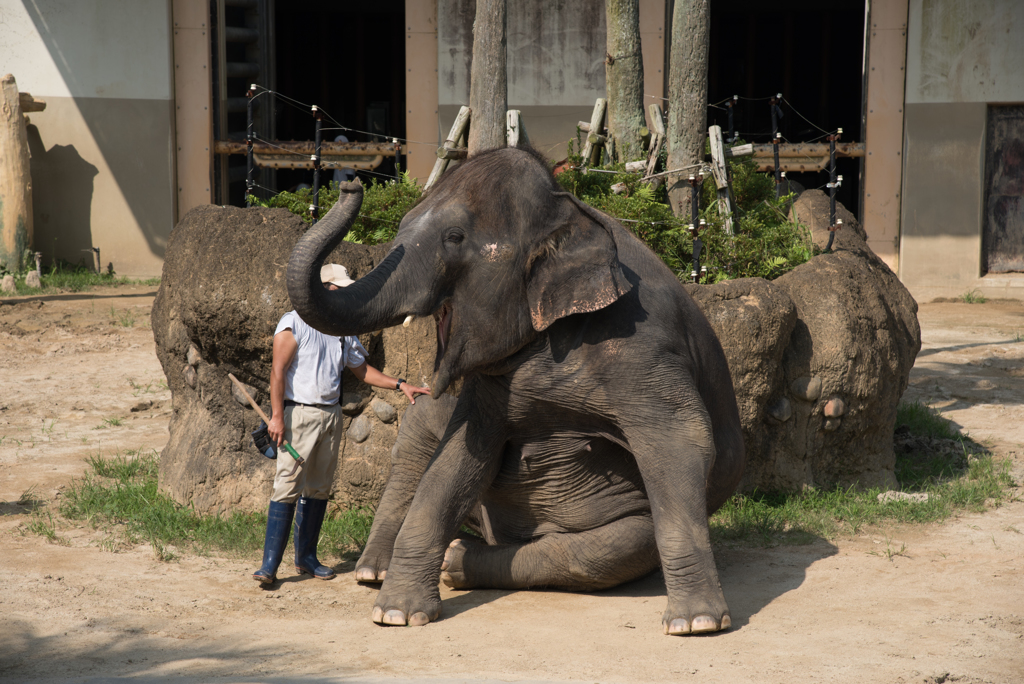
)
(285, 347)
(372, 376)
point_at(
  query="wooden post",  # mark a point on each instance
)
(721, 174)
(488, 80)
(15, 178)
(657, 139)
(457, 134)
(596, 124)
(516, 131)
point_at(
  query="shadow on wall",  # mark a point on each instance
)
(133, 135)
(62, 187)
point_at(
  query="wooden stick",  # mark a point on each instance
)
(515, 130)
(288, 447)
(596, 124)
(719, 171)
(459, 129)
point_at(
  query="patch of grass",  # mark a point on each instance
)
(970, 480)
(42, 524)
(925, 421)
(63, 276)
(346, 530)
(972, 297)
(119, 494)
(125, 319)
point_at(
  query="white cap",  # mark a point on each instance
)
(336, 274)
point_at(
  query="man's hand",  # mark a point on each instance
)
(410, 391)
(276, 429)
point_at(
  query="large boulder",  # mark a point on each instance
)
(819, 359)
(222, 293)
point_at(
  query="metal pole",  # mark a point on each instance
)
(695, 227)
(732, 128)
(249, 185)
(398, 158)
(775, 144)
(833, 184)
(315, 207)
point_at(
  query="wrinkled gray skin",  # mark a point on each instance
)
(595, 427)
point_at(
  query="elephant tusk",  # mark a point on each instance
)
(407, 321)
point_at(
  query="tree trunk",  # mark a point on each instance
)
(688, 96)
(15, 178)
(624, 79)
(488, 84)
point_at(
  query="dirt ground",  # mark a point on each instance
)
(79, 377)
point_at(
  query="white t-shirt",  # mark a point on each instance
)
(314, 377)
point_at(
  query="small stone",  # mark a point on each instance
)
(236, 393)
(191, 377)
(831, 424)
(193, 357)
(384, 411)
(835, 408)
(352, 403)
(781, 410)
(8, 286)
(806, 388)
(33, 280)
(359, 430)
(143, 406)
(890, 496)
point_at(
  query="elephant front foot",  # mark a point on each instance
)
(404, 608)
(698, 616)
(372, 566)
(700, 624)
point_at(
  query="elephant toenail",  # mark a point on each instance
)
(377, 615)
(726, 622)
(418, 619)
(394, 617)
(365, 575)
(704, 623)
(678, 626)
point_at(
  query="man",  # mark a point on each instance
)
(305, 386)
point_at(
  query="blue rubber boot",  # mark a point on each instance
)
(279, 523)
(309, 518)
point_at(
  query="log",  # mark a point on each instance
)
(636, 166)
(455, 136)
(31, 104)
(488, 80)
(515, 131)
(15, 178)
(450, 153)
(721, 174)
(596, 124)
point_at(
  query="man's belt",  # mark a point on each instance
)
(322, 407)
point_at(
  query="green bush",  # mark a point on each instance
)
(384, 205)
(766, 244)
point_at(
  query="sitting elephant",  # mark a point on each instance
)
(590, 425)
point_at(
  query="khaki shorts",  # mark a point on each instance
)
(315, 433)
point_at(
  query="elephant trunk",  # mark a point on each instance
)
(368, 304)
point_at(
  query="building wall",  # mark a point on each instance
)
(102, 151)
(962, 55)
(556, 55)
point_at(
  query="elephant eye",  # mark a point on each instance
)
(454, 237)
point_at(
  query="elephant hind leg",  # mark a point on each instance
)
(601, 558)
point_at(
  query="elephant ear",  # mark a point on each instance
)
(575, 268)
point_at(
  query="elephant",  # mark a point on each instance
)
(583, 416)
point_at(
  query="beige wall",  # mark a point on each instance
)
(102, 151)
(961, 57)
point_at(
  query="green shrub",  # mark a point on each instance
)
(384, 205)
(766, 244)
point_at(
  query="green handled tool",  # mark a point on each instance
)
(287, 447)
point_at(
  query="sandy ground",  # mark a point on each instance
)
(79, 377)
